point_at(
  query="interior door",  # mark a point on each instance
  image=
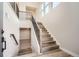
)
(1, 27)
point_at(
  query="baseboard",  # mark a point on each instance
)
(73, 54)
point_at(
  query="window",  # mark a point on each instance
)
(45, 8)
(47, 5)
(42, 9)
(55, 4)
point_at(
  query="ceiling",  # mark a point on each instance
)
(29, 5)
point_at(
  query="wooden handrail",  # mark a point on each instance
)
(37, 31)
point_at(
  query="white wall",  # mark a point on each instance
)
(24, 19)
(25, 23)
(63, 24)
(10, 26)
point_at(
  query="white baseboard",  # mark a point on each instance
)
(73, 54)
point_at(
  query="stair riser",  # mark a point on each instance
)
(51, 42)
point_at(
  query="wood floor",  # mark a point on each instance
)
(52, 53)
(55, 53)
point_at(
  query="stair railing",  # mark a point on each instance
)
(12, 35)
(37, 31)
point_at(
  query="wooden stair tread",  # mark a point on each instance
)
(50, 44)
(47, 38)
(48, 41)
(54, 45)
(52, 51)
(55, 53)
(25, 51)
(48, 48)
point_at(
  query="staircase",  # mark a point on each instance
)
(25, 41)
(47, 41)
(49, 46)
